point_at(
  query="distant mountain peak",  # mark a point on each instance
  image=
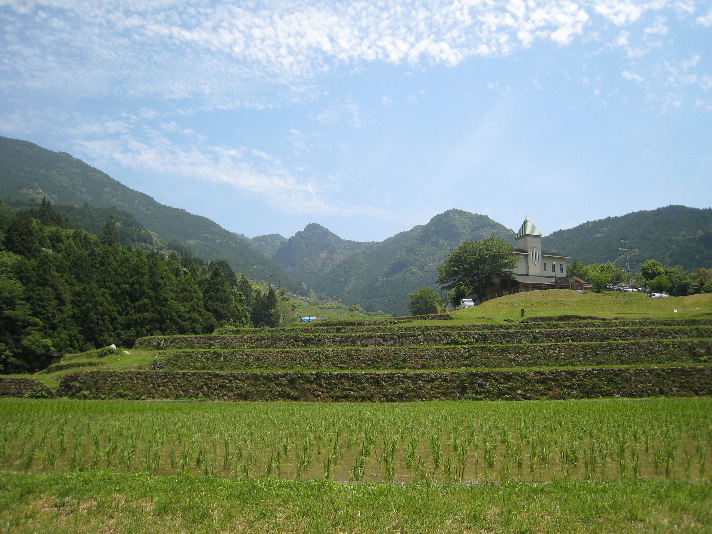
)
(317, 228)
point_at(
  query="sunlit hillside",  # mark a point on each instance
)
(607, 305)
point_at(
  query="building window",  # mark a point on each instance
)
(561, 267)
(544, 266)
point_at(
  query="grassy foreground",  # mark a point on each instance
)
(138, 502)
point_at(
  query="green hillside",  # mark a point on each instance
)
(30, 173)
(674, 235)
(606, 305)
(308, 254)
(382, 276)
(377, 276)
(268, 244)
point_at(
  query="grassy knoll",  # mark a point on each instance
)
(609, 305)
(139, 502)
(90, 360)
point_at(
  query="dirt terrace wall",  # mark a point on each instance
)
(529, 355)
(523, 325)
(392, 386)
(452, 337)
(14, 386)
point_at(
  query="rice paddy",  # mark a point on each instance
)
(465, 442)
(587, 465)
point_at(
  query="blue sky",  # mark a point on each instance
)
(371, 117)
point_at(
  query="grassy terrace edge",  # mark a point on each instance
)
(422, 325)
(392, 386)
(399, 338)
(440, 357)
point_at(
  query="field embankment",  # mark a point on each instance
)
(376, 362)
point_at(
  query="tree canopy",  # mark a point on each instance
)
(67, 290)
(475, 265)
(423, 301)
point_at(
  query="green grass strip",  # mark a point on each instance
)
(98, 502)
(669, 365)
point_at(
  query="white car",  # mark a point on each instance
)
(658, 295)
(467, 303)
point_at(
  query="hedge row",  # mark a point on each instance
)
(70, 365)
(400, 338)
(15, 386)
(385, 326)
(392, 386)
(539, 355)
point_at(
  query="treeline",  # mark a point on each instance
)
(653, 276)
(66, 290)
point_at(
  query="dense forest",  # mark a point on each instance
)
(63, 289)
(675, 235)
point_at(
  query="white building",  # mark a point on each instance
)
(535, 268)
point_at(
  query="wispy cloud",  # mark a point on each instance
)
(705, 20)
(632, 76)
(228, 52)
(131, 145)
(340, 113)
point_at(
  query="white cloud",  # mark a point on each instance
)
(180, 50)
(659, 27)
(632, 76)
(705, 20)
(705, 105)
(205, 54)
(620, 13)
(341, 113)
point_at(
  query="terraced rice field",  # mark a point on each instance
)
(473, 442)
(372, 362)
(600, 461)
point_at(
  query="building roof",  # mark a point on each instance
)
(528, 228)
(529, 279)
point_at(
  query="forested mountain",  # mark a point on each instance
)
(381, 276)
(674, 235)
(310, 253)
(31, 173)
(268, 244)
(66, 290)
(129, 231)
(378, 276)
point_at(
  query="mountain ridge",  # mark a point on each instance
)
(378, 275)
(30, 172)
(673, 235)
(381, 276)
